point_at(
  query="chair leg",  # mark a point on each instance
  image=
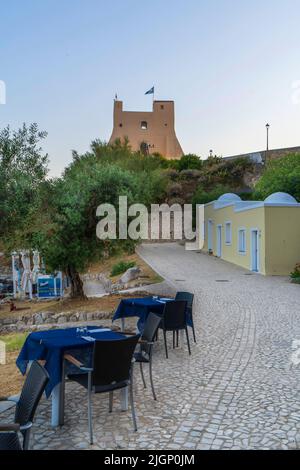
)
(26, 439)
(174, 339)
(188, 340)
(90, 407)
(111, 397)
(165, 341)
(132, 403)
(177, 338)
(193, 328)
(151, 378)
(142, 374)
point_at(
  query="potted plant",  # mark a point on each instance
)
(295, 275)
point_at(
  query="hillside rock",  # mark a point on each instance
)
(130, 275)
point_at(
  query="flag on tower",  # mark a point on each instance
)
(150, 92)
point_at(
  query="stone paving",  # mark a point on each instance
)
(238, 390)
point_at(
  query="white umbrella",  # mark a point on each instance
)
(26, 284)
(36, 266)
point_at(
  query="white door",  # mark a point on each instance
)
(219, 240)
(254, 251)
(209, 235)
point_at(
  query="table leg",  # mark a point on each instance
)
(56, 405)
(124, 399)
(62, 396)
(58, 401)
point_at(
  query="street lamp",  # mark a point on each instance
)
(267, 127)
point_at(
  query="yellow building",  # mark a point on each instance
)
(262, 236)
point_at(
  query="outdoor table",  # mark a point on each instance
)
(50, 346)
(141, 307)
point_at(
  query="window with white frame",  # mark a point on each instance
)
(228, 233)
(242, 240)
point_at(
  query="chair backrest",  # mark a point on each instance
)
(33, 388)
(112, 360)
(174, 316)
(150, 329)
(188, 296)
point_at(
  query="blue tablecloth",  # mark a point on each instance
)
(50, 346)
(141, 308)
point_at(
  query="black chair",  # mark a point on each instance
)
(174, 319)
(189, 297)
(111, 370)
(144, 355)
(33, 388)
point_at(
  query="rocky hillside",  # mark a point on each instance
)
(238, 176)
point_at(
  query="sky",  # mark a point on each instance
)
(231, 66)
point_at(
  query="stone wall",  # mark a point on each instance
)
(38, 320)
(263, 155)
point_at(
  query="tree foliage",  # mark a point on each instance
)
(189, 162)
(23, 167)
(203, 197)
(283, 175)
(66, 232)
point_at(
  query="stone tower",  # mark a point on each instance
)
(151, 131)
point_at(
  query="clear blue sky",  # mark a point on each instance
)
(229, 65)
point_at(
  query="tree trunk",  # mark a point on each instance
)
(77, 291)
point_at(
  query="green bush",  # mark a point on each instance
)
(283, 175)
(121, 267)
(189, 162)
(203, 197)
(295, 275)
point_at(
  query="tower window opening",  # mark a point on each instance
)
(144, 125)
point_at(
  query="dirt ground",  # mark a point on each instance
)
(107, 303)
(105, 266)
(11, 379)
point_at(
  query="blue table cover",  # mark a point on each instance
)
(141, 307)
(50, 346)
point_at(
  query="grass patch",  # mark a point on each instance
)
(157, 278)
(121, 267)
(14, 341)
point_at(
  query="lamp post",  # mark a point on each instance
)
(267, 150)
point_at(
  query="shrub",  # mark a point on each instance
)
(189, 162)
(295, 275)
(121, 267)
(283, 175)
(203, 197)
